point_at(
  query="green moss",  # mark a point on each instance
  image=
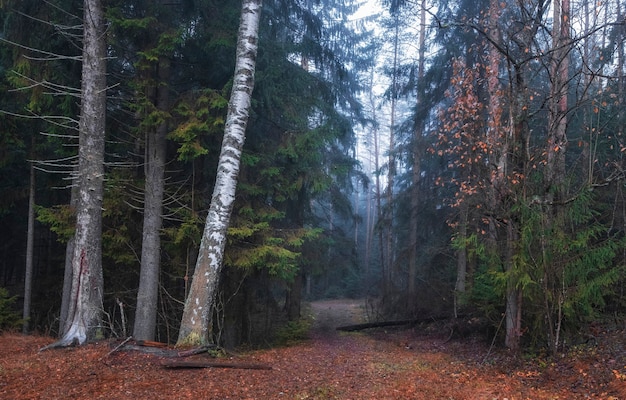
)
(192, 340)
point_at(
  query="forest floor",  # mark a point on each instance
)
(377, 364)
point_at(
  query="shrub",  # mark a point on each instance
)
(293, 332)
(9, 318)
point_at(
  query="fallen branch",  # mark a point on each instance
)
(371, 325)
(119, 345)
(161, 349)
(383, 324)
(212, 364)
(150, 343)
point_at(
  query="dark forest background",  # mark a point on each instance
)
(456, 158)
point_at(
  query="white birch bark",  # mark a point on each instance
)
(196, 318)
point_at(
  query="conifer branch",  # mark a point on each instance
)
(53, 56)
(56, 88)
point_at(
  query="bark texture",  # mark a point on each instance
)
(196, 318)
(85, 306)
(156, 143)
(30, 239)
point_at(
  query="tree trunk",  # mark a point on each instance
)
(377, 191)
(391, 170)
(196, 318)
(294, 298)
(557, 135)
(156, 144)
(67, 276)
(461, 258)
(85, 306)
(513, 315)
(30, 239)
(416, 172)
(621, 79)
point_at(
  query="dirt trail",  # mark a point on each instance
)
(330, 314)
(380, 365)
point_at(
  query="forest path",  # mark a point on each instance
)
(377, 364)
(327, 315)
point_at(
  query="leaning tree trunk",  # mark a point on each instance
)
(194, 328)
(147, 294)
(85, 306)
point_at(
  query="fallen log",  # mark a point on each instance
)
(383, 324)
(160, 349)
(380, 324)
(150, 343)
(212, 364)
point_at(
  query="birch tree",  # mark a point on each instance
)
(197, 314)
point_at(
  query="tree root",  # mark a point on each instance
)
(61, 344)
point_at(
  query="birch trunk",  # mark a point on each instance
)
(196, 317)
(85, 305)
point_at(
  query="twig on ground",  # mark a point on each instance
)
(119, 346)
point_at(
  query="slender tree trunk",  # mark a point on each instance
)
(85, 306)
(294, 298)
(517, 161)
(66, 293)
(461, 257)
(368, 233)
(557, 135)
(620, 67)
(30, 240)
(379, 216)
(391, 170)
(416, 172)
(199, 304)
(497, 140)
(513, 315)
(357, 199)
(378, 195)
(370, 194)
(156, 143)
